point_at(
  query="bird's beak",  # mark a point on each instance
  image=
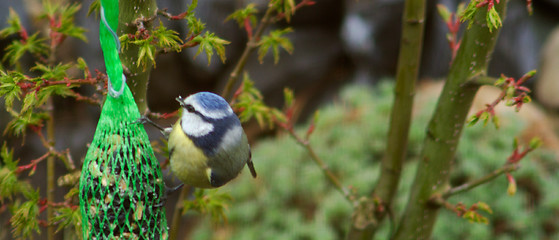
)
(180, 100)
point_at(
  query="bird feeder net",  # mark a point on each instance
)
(121, 187)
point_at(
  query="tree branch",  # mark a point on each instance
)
(407, 70)
(50, 169)
(137, 76)
(251, 45)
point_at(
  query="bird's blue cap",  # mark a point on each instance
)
(211, 101)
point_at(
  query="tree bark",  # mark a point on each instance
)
(137, 76)
(445, 127)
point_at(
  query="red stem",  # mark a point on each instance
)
(248, 28)
(33, 163)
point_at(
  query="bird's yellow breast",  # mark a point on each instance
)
(188, 162)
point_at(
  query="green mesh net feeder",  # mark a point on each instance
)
(121, 186)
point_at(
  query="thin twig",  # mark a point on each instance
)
(329, 174)
(483, 80)
(487, 178)
(33, 163)
(50, 170)
(177, 213)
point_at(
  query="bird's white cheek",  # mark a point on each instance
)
(194, 126)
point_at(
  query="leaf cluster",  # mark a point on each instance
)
(162, 40)
(284, 7)
(24, 215)
(26, 44)
(26, 93)
(492, 18)
(245, 14)
(209, 202)
(62, 19)
(275, 40)
(68, 216)
(209, 43)
(250, 103)
(148, 44)
(25, 96)
(472, 214)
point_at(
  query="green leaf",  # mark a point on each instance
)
(24, 217)
(510, 92)
(146, 53)
(288, 97)
(54, 73)
(16, 49)
(95, 7)
(530, 73)
(242, 14)
(192, 6)
(484, 207)
(8, 183)
(208, 43)
(167, 38)
(67, 26)
(7, 156)
(286, 7)
(48, 91)
(460, 9)
(251, 105)
(210, 202)
(535, 143)
(496, 121)
(14, 24)
(469, 12)
(526, 99)
(493, 20)
(18, 125)
(64, 15)
(473, 120)
(500, 81)
(195, 25)
(82, 65)
(29, 100)
(58, 72)
(124, 41)
(444, 12)
(275, 40)
(475, 217)
(485, 117)
(9, 88)
(68, 216)
(49, 7)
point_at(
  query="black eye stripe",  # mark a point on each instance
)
(189, 108)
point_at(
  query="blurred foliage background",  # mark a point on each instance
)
(291, 200)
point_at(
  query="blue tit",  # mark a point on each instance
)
(207, 145)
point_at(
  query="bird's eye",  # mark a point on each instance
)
(189, 108)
